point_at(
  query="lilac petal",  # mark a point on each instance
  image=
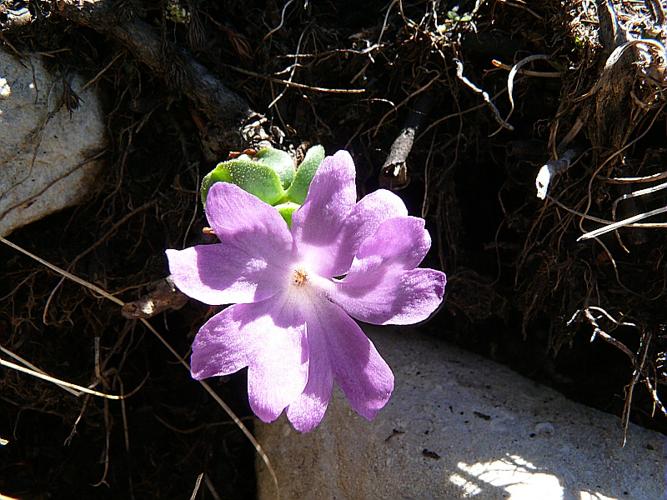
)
(317, 224)
(359, 370)
(253, 255)
(361, 223)
(382, 285)
(267, 337)
(278, 372)
(222, 346)
(307, 411)
(224, 274)
(398, 244)
(397, 298)
(242, 220)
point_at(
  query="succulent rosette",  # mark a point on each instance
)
(296, 291)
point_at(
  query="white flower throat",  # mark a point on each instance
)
(307, 284)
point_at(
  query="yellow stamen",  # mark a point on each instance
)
(300, 277)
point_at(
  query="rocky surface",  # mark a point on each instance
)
(52, 133)
(461, 426)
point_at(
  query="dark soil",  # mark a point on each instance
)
(522, 290)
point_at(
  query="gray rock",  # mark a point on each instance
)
(461, 426)
(47, 155)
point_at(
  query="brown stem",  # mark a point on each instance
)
(394, 173)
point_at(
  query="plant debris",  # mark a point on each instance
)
(461, 106)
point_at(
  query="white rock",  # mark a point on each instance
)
(461, 426)
(5, 89)
(45, 155)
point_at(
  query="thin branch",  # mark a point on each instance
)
(295, 85)
(66, 385)
(622, 223)
(484, 94)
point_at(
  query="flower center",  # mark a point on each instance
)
(300, 277)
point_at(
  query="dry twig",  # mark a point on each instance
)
(484, 94)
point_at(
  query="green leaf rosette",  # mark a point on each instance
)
(299, 188)
(270, 175)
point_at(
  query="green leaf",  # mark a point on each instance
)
(251, 176)
(286, 210)
(279, 161)
(304, 175)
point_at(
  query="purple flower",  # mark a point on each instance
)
(291, 324)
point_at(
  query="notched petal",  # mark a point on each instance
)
(278, 370)
(398, 244)
(357, 367)
(308, 410)
(361, 223)
(222, 346)
(267, 337)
